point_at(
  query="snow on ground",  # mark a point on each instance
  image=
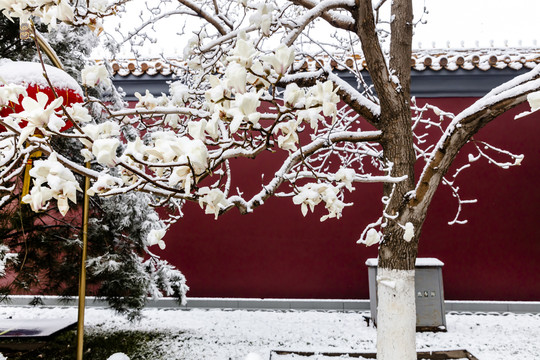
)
(233, 334)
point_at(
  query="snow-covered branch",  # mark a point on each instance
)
(218, 25)
(298, 25)
(335, 19)
(467, 123)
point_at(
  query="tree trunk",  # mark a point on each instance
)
(396, 315)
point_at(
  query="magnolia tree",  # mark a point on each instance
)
(257, 76)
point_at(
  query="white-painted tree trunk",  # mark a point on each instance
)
(396, 315)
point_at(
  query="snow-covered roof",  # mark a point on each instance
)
(31, 73)
(434, 59)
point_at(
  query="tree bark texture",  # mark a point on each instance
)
(396, 328)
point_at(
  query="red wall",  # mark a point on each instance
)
(276, 252)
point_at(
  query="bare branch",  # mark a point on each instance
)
(401, 28)
(294, 159)
(205, 15)
(340, 22)
(465, 125)
(373, 53)
(317, 11)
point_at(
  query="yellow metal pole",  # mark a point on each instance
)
(27, 168)
(82, 277)
(27, 30)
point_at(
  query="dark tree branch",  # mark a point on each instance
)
(464, 126)
(205, 15)
(401, 28)
(294, 159)
(330, 17)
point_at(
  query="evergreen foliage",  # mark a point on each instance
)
(40, 252)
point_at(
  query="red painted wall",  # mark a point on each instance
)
(275, 252)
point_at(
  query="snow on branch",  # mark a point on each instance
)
(205, 15)
(298, 25)
(464, 125)
(255, 77)
(294, 158)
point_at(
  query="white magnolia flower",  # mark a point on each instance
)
(61, 181)
(212, 126)
(281, 60)
(372, 237)
(179, 93)
(93, 131)
(243, 53)
(307, 197)
(108, 129)
(257, 75)
(294, 96)
(104, 182)
(166, 147)
(196, 152)
(217, 90)
(15, 8)
(56, 123)
(155, 237)
(346, 176)
(325, 95)
(11, 93)
(87, 154)
(105, 151)
(197, 129)
(236, 77)
(94, 74)
(163, 100)
(148, 101)
(244, 108)
(409, 232)
(51, 14)
(39, 115)
(170, 148)
(38, 198)
(79, 113)
(181, 174)
(104, 130)
(333, 204)
(98, 5)
(289, 138)
(312, 194)
(172, 120)
(64, 11)
(312, 116)
(263, 17)
(214, 201)
(136, 149)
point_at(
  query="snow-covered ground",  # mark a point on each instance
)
(221, 334)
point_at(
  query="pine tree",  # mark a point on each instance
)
(40, 252)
